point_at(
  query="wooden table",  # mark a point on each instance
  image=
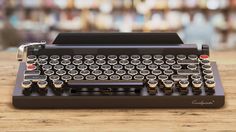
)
(12, 119)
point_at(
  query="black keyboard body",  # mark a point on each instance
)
(117, 70)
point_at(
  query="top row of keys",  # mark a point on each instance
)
(113, 57)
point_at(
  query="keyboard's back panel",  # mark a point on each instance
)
(92, 80)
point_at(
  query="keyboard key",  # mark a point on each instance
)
(121, 72)
(210, 83)
(117, 67)
(176, 67)
(206, 67)
(35, 78)
(88, 62)
(73, 72)
(192, 67)
(49, 72)
(151, 77)
(105, 67)
(135, 57)
(187, 62)
(132, 72)
(126, 77)
(112, 57)
(169, 57)
(146, 57)
(88, 57)
(102, 77)
(34, 72)
(65, 62)
(43, 57)
(31, 57)
(156, 72)
(129, 67)
(84, 72)
(42, 84)
(54, 57)
(108, 72)
(47, 67)
(82, 67)
(144, 72)
(152, 67)
(141, 67)
(208, 77)
(170, 62)
(97, 72)
(164, 67)
(162, 77)
(66, 78)
(93, 67)
(193, 57)
(58, 67)
(138, 77)
(90, 77)
(54, 62)
(158, 57)
(187, 72)
(168, 72)
(112, 62)
(77, 57)
(123, 62)
(77, 62)
(135, 62)
(70, 67)
(159, 62)
(195, 77)
(123, 57)
(66, 57)
(54, 77)
(177, 78)
(181, 57)
(78, 77)
(100, 62)
(147, 62)
(26, 84)
(100, 57)
(61, 72)
(207, 72)
(115, 77)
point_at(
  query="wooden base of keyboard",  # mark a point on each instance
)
(138, 101)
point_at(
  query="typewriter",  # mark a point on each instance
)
(116, 70)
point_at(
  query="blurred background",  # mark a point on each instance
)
(197, 21)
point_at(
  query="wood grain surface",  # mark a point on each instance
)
(69, 120)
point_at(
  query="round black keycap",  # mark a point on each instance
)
(54, 77)
(132, 72)
(208, 77)
(93, 67)
(112, 62)
(135, 62)
(49, 72)
(147, 62)
(164, 67)
(42, 62)
(46, 67)
(170, 62)
(112, 57)
(181, 57)
(100, 62)
(58, 67)
(152, 67)
(66, 57)
(146, 57)
(129, 67)
(65, 62)
(88, 62)
(169, 57)
(97, 72)
(135, 57)
(114, 77)
(138, 77)
(123, 62)
(159, 62)
(55, 57)
(192, 57)
(105, 67)
(123, 57)
(158, 57)
(66, 78)
(144, 72)
(100, 57)
(82, 67)
(168, 72)
(195, 77)
(43, 57)
(61, 72)
(31, 57)
(77, 62)
(206, 67)
(192, 67)
(90, 77)
(120, 72)
(78, 77)
(53, 62)
(162, 77)
(108, 72)
(89, 57)
(70, 67)
(77, 57)
(150, 77)
(126, 77)
(102, 77)
(141, 67)
(84, 72)
(73, 72)
(117, 67)
(176, 67)
(156, 72)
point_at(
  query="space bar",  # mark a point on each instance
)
(97, 83)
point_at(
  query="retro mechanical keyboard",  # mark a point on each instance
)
(116, 70)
